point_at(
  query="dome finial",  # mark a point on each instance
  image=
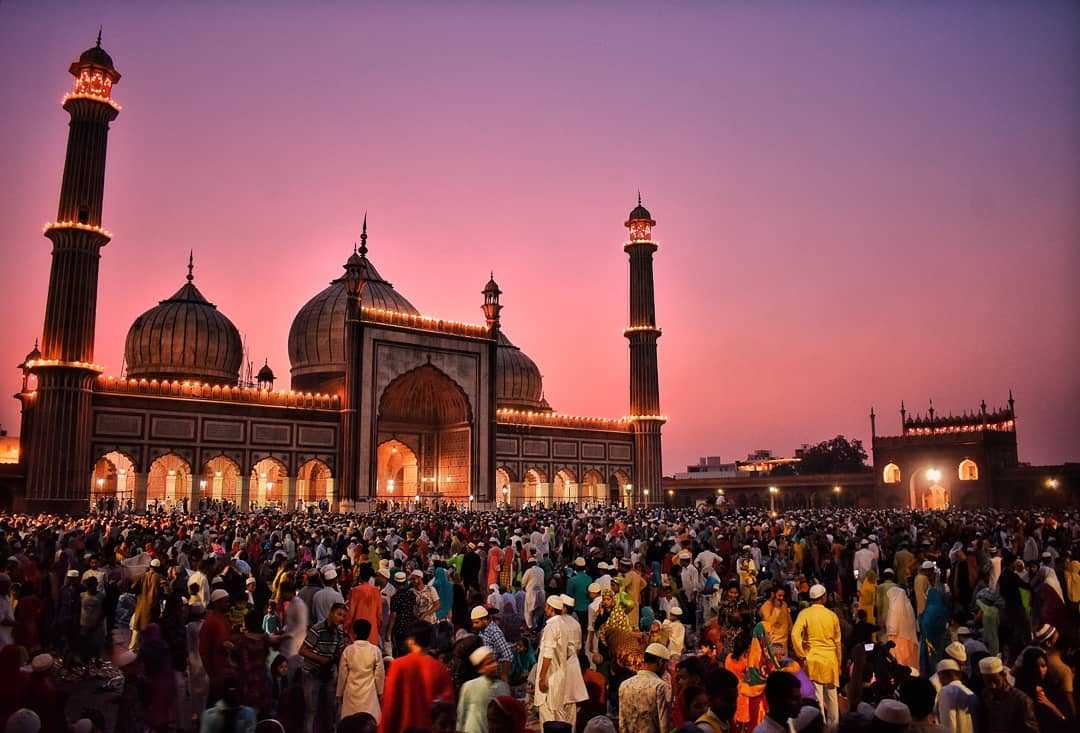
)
(99, 36)
(190, 265)
(639, 197)
(363, 237)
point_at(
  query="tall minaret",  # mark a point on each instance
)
(58, 461)
(642, 334)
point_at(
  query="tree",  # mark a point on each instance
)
(838, 455)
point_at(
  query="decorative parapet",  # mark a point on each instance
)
(424, 323)
(508, 416)
(217, 393)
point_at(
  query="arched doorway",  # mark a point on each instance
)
(617, 485)
(220, 481)
(397, 472)
(929, 489)
(113, 478)
(565, 488)
(502, 488)
(269, 479)
(535, 487)
(315, 483)
(427, 409)
(168, 483)
(592, 488)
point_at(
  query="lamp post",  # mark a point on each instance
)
(1052, 483)
(629, 493)
(773, 491)
(506, 496)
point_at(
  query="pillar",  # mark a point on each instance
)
(139, 493)
(288, 492)
(245, 492)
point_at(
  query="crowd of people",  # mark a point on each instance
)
(710, 620)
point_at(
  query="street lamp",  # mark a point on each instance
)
(1052, 483)
(932, 474)
(202, 485)
(773, 491)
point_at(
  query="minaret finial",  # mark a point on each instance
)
(99, 36)
(363, 237)
(190, 265)
(639, 197)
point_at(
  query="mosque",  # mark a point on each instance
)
(383, 404)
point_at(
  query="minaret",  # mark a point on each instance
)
(642, 334)
(58, 462)
(348, 471)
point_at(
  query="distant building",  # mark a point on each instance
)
(967, 460)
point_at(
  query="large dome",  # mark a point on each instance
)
(317, 334)
(184, 338)
(518, 384)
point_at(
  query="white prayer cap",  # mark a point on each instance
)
(568, 601)
(947, 665)
(956, 651)
(329, 572)
(555, 602)
(990, 665)
(42, 663)
(658, 650)
(816, 591)
(594, 588)
(218, 594)
(579, 562)
(400, 576)
(23, 720)
(478, 612)
(893, 711)
(479, 655)
(675, 611)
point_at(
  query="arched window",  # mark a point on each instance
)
(969, 470)
(891, 474)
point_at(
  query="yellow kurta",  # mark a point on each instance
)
(816, 637)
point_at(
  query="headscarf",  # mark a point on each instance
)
(1047, 576)
(445, 590)
(646, 618)
(900, 620)
(617, 620)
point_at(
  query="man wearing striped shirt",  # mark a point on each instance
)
(493, 638)
(321, 650)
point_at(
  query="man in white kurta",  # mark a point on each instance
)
(532, 581)
(574, 690)
(361, 675)
(551, 675)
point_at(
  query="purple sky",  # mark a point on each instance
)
(857, 202)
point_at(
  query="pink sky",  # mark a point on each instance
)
(857, 202)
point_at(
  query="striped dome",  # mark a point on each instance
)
(518, 384)
(184, 338)
(317, 335)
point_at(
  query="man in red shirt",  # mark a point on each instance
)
(365, 602)
(416, 680)
(214, 644)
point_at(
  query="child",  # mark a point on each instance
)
(271, 623)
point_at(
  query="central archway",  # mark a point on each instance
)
(929, 489)
(427, 410)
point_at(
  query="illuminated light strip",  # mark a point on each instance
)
(133, 385)
(646, 418)
(394, 316)
(635, 329)
(49, 225)
(93, 98)
(527, 417)
(60, 363)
